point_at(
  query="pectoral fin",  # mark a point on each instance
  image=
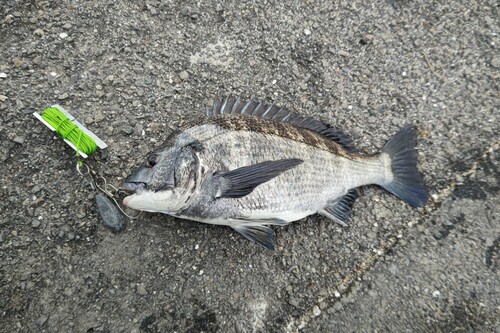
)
(258, 233)
(341, 210)
(242, 181)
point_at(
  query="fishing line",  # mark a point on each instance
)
(69, 131)
(104, 188)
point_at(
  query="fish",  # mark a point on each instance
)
(251, 165)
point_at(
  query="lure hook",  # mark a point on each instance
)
(103, 187)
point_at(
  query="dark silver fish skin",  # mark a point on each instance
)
(249, 165)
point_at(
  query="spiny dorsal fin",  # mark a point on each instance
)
(272, 112)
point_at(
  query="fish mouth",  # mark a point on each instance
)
(132, 187)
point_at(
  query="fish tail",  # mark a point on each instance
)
(404, 180)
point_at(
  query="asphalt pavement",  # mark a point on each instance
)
(135, 71)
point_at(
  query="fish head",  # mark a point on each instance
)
(165, 181)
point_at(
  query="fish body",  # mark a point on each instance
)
(248, 165)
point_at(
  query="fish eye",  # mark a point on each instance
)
(152, 160)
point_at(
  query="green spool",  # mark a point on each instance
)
(69, 131)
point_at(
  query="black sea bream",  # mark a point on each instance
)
(249, 165)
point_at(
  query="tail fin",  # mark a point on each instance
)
(407, 182)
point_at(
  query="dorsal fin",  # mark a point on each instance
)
(272, 112)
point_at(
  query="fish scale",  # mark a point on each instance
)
(299, 191)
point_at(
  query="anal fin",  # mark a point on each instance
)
(257, 233)
(341, 210)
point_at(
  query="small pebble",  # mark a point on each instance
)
(3, 98)
(42, 320)
(18, 139)
(316, 311)
(39, 32)
(63, 35)
(99, 116)
(138, 129)
(128, 130)
(367, 39)
(141, 289)
(3, 75)
(35, 224)
(63, 96)
(307, 32)
(184, 75)
(155, 127)
(294, 302)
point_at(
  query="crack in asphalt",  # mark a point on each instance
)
(344, 287)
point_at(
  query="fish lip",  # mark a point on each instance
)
(132, 187)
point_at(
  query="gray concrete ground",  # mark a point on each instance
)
(133, 71)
